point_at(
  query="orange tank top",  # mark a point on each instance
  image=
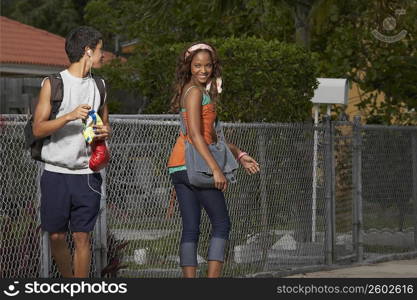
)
(208, 117)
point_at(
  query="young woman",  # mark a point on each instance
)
(197, 88)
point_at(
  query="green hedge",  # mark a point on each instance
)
(262, 80)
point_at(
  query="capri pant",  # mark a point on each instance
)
(191, 199)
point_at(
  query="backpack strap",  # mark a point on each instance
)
(101, 88)
(57, 94)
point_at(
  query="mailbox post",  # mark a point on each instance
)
(330, 91)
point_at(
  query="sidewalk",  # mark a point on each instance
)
(391, 269)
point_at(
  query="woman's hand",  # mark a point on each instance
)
(220, 181)
(250, 165)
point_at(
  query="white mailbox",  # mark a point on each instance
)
(331, 91)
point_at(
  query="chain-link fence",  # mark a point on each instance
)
(389, 181)
(342, 186)
(336, 193)
(20, 249)
(270, 212)
(24, 250)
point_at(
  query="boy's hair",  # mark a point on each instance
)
(78, 39)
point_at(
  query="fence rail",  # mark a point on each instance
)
(365, 199)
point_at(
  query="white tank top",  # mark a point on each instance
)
(66, 151)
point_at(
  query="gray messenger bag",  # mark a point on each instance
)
(199, 173)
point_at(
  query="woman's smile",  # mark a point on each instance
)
(203, 77)
(202, 67)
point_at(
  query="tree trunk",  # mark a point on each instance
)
(302, 23)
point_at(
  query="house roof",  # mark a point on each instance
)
(24, 44)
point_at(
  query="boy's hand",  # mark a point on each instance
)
(102, 132)
(80, 112)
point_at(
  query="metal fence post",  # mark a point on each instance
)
(97, 246)
(314, 195)
(45, 250)
(45, 255)
(333, 185)
(357, 189)
(264, 206)
(328, 141)
(103, 220)
(414, 154)
(100, 232)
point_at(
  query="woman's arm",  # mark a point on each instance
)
(250, 165)
(193, 107)
(235, 150)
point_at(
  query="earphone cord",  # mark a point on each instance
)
(86, 152)
(88, 176)
(91, 64)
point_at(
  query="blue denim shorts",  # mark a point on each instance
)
(68, 202)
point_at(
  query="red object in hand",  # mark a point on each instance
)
(100, 156)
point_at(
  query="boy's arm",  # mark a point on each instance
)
(103, 132)
(42, 126)
(104, 114)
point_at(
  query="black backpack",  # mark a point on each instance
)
(57, 95)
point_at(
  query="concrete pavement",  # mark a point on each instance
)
(390, 269)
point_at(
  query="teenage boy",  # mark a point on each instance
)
(70, 197)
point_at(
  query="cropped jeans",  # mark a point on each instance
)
(191, 199)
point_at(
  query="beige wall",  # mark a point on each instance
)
(354, 97)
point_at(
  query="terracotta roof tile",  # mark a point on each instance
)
(24, 44)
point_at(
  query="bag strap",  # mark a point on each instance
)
(101, 88)
(186, 92)
(218, 128)
(57, 94)
(217, 124)
(189, 89)
(183, 128)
